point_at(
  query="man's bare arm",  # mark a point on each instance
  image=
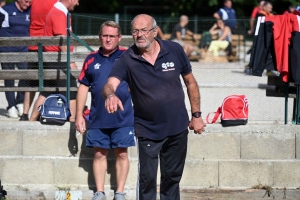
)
(193, 92)
(216, 15)
(196, 124)
(110, 87)
(82, 94)
(112, 102)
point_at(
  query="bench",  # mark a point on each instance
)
(237, 42)
(277, 88)
(32, 74)
(45, 74)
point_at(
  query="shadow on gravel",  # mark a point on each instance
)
(3, 112)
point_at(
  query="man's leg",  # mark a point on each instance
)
(35, 111)
(121, 138)
(22, 83)
(122, 167)
(20, 95)
(28, 99)
(99, 139)
(29, 96)
(148, 151)
(100, 167)
(172, 159)
(10, 96)
(189, 50)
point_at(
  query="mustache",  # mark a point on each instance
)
(140, 37)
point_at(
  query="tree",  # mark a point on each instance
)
(201, 8)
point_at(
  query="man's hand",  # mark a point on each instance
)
(113, 103)
(197, 124)
(80, 124)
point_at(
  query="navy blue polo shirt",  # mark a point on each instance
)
(228, 16)
(94, 74)
(15, 24)
(157, 93)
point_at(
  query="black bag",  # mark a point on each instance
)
(55, 110)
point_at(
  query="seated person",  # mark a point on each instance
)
(179, 32)
(224, 38)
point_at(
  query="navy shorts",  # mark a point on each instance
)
(110, 138)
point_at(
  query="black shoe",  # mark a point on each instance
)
(24, 117)
(248, 71)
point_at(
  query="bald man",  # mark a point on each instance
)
(152, 69)
(179, 31)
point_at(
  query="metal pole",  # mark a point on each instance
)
(68, 55)
(41, 68)
(298, 104)
(286, 99)
(196, 24)
(117, 18)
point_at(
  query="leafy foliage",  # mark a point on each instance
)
(202, 8)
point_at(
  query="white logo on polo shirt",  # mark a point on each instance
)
(168, 66)
(130, 133)
(97, 66)
(27, 18)
(14, 13)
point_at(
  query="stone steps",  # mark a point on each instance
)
(37, 156)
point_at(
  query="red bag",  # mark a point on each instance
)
(234, 111)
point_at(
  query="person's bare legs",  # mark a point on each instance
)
(100, 167)
(35, 111)
(28, 99)
(188, 49)
(122, 167)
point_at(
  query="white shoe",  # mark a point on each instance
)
(20, 108)
(13, 112)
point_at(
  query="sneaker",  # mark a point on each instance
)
(12, 112)
(119, 196)
(20, 108)
(99, 196)
(24, 117)
(272, 73)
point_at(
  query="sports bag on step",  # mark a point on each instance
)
(55, 110)
(234, 111)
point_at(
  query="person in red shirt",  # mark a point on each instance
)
(253, 16)
(38, 14)
(56, 25)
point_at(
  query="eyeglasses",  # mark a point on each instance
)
(109, 36)
(142, 31)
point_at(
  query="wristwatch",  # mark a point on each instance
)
(197, 114)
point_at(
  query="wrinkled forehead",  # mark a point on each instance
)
(142, 22)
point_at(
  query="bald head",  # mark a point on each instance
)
(183, 20)
(145, 19)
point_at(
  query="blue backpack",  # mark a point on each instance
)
(55, 110)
